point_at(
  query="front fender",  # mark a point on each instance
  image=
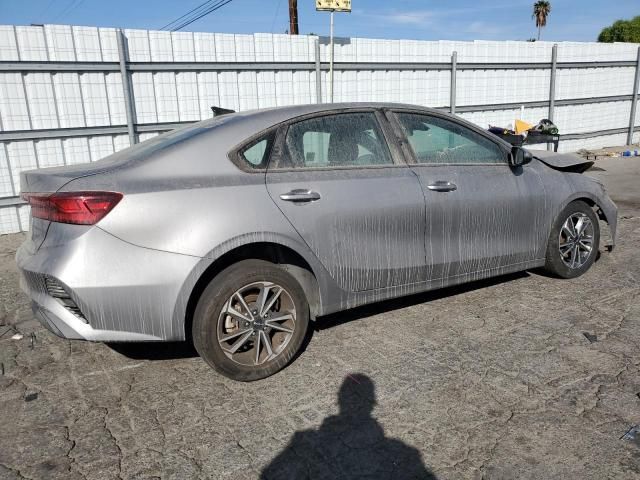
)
(607, 209)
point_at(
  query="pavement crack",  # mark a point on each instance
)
(14, 470)
(115, 441)
(72, 460)
(192, 459)
(617, 327)
(160, 427)
(589, 408)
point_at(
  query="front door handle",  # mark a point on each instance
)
(442, 186)
(300, 195)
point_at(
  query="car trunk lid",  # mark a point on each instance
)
(52, 180)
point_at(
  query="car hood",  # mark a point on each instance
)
(569, 162)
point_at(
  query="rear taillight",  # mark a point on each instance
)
(80, 208)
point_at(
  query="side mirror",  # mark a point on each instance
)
(519, 156)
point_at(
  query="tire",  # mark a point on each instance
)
(279, 333)
(573, 263)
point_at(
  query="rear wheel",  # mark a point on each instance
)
(251, 320)
(574, 241)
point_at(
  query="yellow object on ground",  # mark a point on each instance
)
(522, 126)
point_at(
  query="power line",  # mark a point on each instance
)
(72, 5)
(275, 16)
(49, 5)
(211, 9)
(76, 6)
(188, 13)
(196, 14)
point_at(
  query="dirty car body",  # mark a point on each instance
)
(416, 200)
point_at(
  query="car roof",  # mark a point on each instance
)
(292, 111)
(246, 123)
(277, 115)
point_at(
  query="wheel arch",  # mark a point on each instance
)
(269, 249)
(604, 208)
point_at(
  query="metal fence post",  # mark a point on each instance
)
(634, 101)
(331, 57)
(318, 73)
(126, 86)
(452, 87)
(552, 86)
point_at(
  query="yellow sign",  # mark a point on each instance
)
(334, 5)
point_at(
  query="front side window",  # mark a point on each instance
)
(438, 141)
(340, 140)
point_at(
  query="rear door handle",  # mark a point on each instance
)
(300, 195)
(442, 186)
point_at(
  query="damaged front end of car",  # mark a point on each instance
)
(586, 188)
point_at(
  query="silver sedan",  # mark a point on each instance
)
(238, 231)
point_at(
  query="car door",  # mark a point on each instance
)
(359, 207)
(482, 215)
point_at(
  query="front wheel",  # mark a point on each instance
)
(574, 241)
(251, 320)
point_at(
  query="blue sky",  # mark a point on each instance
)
(577, 20)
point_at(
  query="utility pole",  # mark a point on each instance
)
(293, 17)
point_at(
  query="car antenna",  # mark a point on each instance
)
(217, 111)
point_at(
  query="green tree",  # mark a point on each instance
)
(541, 10)
(622, 31)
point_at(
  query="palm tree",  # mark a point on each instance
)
(541, 10)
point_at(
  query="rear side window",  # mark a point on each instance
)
(339, 140)
(438, 141)
(255, 155)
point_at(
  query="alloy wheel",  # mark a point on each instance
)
(576, 240)
(256, 323)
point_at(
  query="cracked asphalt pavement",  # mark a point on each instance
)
(522, 376)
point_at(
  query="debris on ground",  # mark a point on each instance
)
(17, 336)
(610, 152)
(30, 397)
(630, 153)
(10, 328)
(591, 337)
(633, 434)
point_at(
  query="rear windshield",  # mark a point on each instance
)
(180, 134)
(159, 142)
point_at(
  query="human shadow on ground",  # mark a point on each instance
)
(351, 444)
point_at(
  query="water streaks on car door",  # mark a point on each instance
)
(359, 213)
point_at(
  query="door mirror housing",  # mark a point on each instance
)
(519, 156)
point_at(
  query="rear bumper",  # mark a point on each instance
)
(122, 292)
(65, 325)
